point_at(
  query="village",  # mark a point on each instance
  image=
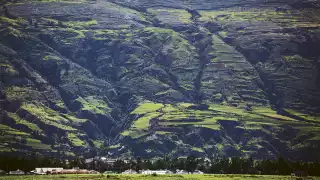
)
(191, 165)
(110, 162)
(76, 170)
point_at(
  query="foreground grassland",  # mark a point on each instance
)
(147, 177)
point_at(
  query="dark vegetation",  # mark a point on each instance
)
(234, 165)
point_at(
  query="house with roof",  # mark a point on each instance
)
(17, 172)
(156, 172)
(181, 171)
(129, 171)
(46, 170)
(197, 172)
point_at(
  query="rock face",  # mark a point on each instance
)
(148, 79)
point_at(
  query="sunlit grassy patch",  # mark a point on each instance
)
(226, 109)
(17, 92)
(74, 119)
(30, 125)
(290, 18)
(10, 135)
(277, 116)
(223, 34)
(36, 144)
(52, 57)
(159, 30)
(11, 131)
(42, 111)
(295, 58)
(80, 24)
(169, 108)
(303, 115)
(184, 105)
(8, 68)
(74, 33)
(143, 122)
(75, 140)
(50, 20)
(48, 116)
(79, 34)
(210, 126)
(104, 34)
(256, 125)
(270, 113)
(94, 105)
(146, 107)
(197, 149)
(114, 146)
(14, 32)
(163, 132)
(98, 143)
(5, 149)
(134, 133)
(13, 22)
(177, 115)
(60, 104)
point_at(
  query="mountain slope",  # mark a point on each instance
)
(162, 78)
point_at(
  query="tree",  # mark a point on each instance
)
(159, 164)
(147, 164)
(132, 164)
(78, 162)
(235, 165)
(191, 164)
(118, 166)
(138, 165)
(202, 165)
(283, 166)
(174, 164)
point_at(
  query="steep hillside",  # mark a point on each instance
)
(148, 79)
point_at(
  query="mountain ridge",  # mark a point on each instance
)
(88, 77)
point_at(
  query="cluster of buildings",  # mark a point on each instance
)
(60, 170)
(44, 171)
(159, 172)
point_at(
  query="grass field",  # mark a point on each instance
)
(158, 177)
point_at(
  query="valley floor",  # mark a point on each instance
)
(147, 177)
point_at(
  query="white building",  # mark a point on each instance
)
(17, 172)
(45, 170)
(129, 171)
(181, 172)
(156, 172)
(197, 172)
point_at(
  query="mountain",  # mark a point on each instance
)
(131, 78)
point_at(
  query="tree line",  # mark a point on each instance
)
(234, 165)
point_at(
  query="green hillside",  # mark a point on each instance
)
(148, 79)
